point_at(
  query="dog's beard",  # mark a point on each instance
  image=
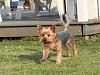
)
(47, 40)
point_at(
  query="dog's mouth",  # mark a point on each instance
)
(46, 42)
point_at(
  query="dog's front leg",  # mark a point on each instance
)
(59, 57)
(45, 53)
(59, 54)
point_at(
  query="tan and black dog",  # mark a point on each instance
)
(56, 41)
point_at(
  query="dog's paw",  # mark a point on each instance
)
(58, 62)
(42, 60)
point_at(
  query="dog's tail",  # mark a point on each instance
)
(66, 21)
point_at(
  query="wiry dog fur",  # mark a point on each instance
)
(56, 41)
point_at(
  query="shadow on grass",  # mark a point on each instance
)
(34, 56)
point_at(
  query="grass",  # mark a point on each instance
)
(21, 57)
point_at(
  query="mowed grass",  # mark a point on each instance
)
(22, 57)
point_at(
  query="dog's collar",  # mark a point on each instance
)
(56, 39)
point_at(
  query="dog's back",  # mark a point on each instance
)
(64, 36)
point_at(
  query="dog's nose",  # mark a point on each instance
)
(44, 39)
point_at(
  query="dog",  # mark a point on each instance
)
(2, 4)
(56, 41)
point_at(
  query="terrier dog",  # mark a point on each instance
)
(56, 41)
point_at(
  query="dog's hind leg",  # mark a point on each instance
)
(73, 47)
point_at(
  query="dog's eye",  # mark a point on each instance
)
(42, 34)
(48, 35)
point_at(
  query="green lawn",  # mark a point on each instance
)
(21, 57)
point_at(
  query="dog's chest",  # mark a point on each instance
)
(53, 46)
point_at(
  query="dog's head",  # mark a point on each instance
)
(47, 35)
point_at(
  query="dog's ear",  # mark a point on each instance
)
(53, 28)
(39, 28)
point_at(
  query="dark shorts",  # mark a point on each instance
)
(14, 4)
